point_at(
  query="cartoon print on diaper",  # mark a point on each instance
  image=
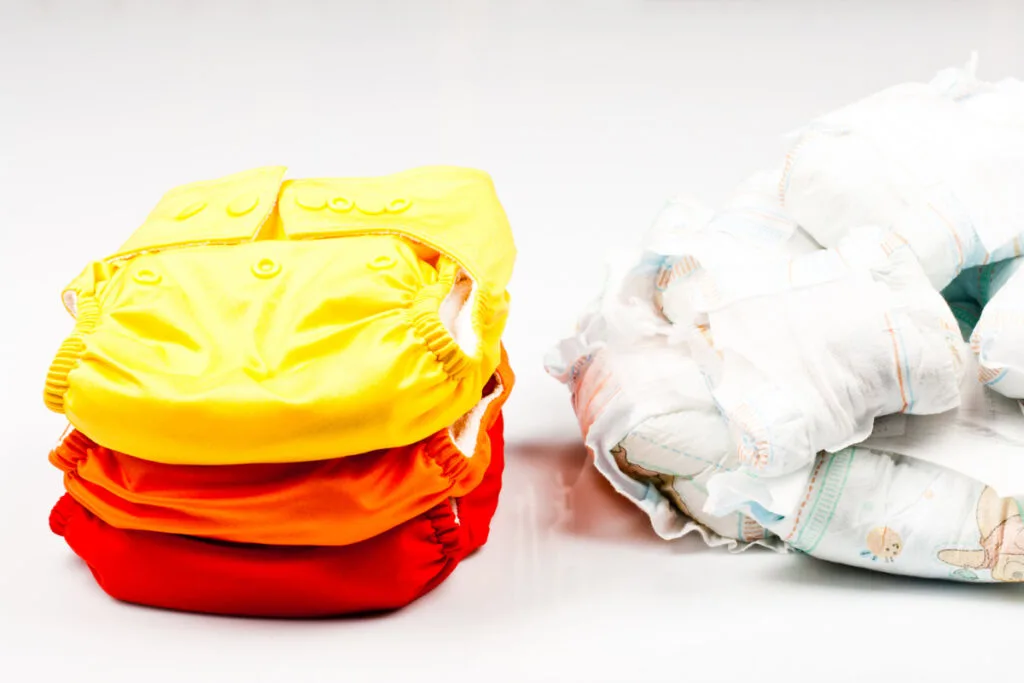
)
(883, 544)
(664, 483)
(1001, 532)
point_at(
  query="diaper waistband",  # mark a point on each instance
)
(452, 210)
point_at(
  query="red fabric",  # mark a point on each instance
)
(219, 577)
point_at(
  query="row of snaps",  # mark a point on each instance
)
(264, 268)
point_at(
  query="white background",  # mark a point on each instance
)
(588, 115)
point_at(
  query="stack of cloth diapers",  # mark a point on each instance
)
(774, 373)
(285, 396)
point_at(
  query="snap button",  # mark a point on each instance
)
(382, 262)
(340, 204)
(265, 268)
(377, 210)
(399, 205)
(240, 206)
(191, 210)
(310, 201)
(146, 277)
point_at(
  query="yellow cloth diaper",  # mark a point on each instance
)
(252, 319)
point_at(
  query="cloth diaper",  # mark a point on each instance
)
(193, 574)
(324, 502)
(255, 320)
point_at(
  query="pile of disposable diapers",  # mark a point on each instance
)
(802, 368)
(285, 396)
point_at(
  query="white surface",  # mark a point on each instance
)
(588, 115)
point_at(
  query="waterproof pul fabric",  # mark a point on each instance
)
(197, 575)
(325, 502)
(254, 320)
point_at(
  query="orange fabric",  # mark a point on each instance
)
(324, 503)
(217, 577)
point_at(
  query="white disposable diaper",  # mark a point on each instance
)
(643, 404)
(939, 163)
(983, 438)
(998, 338)
(739, 308)
(646, 414)
(884, 511)
(803, 353)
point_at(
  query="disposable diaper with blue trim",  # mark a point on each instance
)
(648, 415)
(803, 352)
(792, 371)
(937, 162)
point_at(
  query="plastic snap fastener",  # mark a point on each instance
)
(372, 211)
(382, 262)
(310, 202)
(240, 206)
(340, 204)
(191, 210)
(266, 267)
(399, 205)
(146, 277)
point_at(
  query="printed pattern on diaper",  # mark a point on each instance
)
(818, 514)
(749, 530)
(802, 349)
(643, 437)
(1001, 537)
(675, 269)
(678, 489)
(663, 483)
(883, 544)
(958, 234)
(753, 444)
(893, 241)
(964, 241)
(765, 429)
(990, 375)
(899, 353)
(773, 430)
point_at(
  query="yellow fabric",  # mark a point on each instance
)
(250, 320)
(226, 211)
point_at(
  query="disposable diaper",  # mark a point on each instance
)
(998, 338)
(719, 310)
(896, 514)
(937, 162)
(803, 353)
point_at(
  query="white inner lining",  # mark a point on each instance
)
(466, 430)
(71, 303)
(456, 313)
